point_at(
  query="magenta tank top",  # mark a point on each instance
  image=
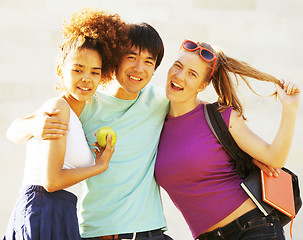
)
(196, 171)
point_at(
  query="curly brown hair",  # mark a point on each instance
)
(106, 28)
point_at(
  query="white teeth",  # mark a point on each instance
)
(134, 78)
(176, 85)
(85, 89)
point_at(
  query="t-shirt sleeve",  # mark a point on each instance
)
(226, 115)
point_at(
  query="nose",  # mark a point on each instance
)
(86, 77)
(138, 66)
(179, 74)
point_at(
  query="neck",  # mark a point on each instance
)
(75, 105)
(116, 90)
(180, 108)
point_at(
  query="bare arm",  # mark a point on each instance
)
(274, 154)
(20, 129)
(54, 177)
(42, 124)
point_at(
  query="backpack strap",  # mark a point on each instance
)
(243, 163)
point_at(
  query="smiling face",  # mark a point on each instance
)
(186, 78)
(134, 72)
(81, 74)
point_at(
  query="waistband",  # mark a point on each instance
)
(130, 236)
(234, 225)
(60, 193)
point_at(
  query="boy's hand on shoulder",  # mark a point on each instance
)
(47, 125)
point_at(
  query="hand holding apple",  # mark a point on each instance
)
(102, 134)
(103, 154)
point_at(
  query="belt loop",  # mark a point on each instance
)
(238, 223)
(134, 236)
(220, 233)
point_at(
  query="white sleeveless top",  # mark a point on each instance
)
(77, 154)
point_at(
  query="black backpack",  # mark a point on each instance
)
(243, 162)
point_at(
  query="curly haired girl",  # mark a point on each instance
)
(46, 206)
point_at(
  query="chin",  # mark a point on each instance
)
(170, 97)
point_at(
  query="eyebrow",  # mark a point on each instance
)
(190, 69)
(195, 72)
(80, 65)
(131, 52)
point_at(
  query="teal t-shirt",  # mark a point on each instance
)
(125, 198)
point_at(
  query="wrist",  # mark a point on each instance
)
(31, 129)
(290, 109)
(100, 168)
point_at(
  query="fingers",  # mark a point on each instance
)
(108, 140)
(108, 148)
(289, 95)
(98, 148)
(52, 130)
(275, 171)
(270, 171)
(51, 127)
(96, 151)
(56, 122)
(52, 112)
(263, 167)
(51, 118)
(51, 136)
(290, 87)
(56, 127)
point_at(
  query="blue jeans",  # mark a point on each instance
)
(251, 225)
(148, 235)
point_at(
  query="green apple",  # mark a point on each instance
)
(102, 134)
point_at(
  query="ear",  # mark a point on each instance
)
(59, 71)
(204, 84)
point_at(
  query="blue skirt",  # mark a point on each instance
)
(39, 214)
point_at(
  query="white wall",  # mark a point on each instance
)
(267, 34)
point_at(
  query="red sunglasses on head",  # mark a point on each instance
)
(204, 53)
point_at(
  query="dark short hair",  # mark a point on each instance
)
(145, 37)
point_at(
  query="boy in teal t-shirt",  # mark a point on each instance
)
(125, 198)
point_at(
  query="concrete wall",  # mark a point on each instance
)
(267, 34)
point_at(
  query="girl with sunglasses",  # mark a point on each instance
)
(192, 166)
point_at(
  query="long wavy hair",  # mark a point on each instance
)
(222, 80)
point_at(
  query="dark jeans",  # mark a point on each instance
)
(252, 225)
(148, 235)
